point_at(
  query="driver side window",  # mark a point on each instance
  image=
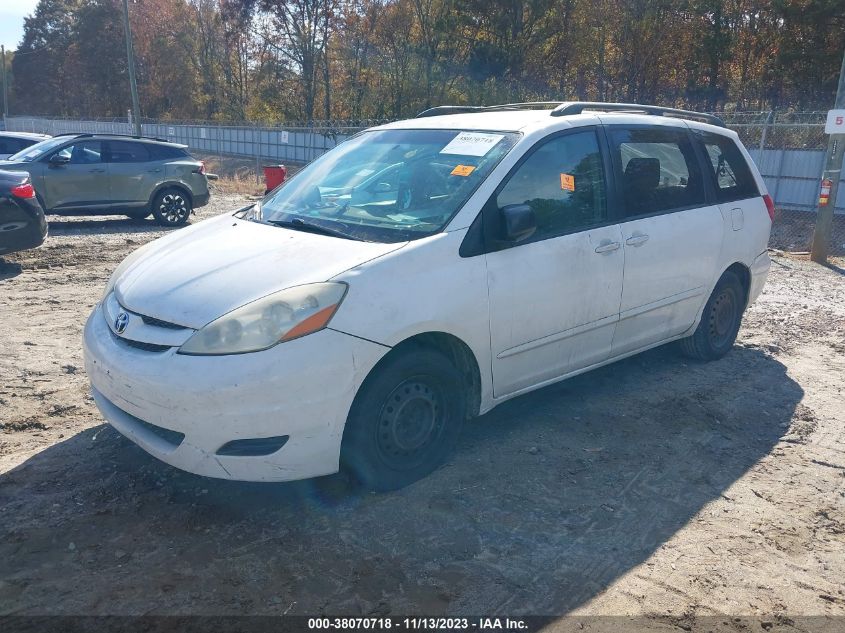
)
(563, 182)
(82, 153)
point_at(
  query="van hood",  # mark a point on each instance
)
(200, 273)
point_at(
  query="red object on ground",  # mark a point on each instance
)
(274, 175)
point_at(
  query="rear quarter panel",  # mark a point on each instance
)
(746, 223)
(182, 172)
(746, 244)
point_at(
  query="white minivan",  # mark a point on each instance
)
(421, 273)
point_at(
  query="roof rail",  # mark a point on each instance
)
(577, 107)
(448, 109)
(564, 108)
(90, 134)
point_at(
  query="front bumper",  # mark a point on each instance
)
(302, 389)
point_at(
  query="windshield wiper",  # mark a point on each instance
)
(302, 225)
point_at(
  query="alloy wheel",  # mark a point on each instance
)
(173, 208)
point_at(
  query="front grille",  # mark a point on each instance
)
(159, 323)
(147, 347)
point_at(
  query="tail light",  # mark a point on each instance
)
(770, 206)
(201, 168)
(25, 191)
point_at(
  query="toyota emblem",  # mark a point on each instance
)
(120, 322)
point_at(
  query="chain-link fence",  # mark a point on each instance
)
(788, 148)
(293, 142)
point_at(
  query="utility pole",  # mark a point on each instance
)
(5, 89)
(833, 171)
(130, 56)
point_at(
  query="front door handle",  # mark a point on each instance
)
(637, 240)
(154, 171)
(608, 247)
(96, 171)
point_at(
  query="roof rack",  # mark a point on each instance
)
(90, 134)
(449, 109)
(577, 107)
(564, 108)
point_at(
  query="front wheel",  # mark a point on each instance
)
(720, 321)
(171, 207)
(404, 421)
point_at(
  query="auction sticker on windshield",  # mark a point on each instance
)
(472, 144)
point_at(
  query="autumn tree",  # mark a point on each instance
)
(286, 60)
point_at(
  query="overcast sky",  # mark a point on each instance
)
(12, 13)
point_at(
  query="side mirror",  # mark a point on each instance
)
(57, 160)
(518, 222)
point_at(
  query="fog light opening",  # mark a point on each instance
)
(253, 447)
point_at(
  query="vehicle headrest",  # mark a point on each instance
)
(643, 173)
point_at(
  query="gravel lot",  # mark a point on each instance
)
(654, 486)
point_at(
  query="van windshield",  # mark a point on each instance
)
(388, 185)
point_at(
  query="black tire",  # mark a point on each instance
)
(720, 321)
(171, 207)
(404, 421)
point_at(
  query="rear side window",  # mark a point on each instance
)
(166, 152)
(730, 172)
(127, 152)
(659, 170)
(563, 182)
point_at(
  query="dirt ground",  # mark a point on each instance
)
(655, 486)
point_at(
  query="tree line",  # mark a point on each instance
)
(304, 60)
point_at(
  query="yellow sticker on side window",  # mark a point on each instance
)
(567, 182)
(463, 170)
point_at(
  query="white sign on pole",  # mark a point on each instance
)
(835, 122)
(284, 137)
(203, 133)
(171, 131)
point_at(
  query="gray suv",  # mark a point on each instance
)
(108, 174)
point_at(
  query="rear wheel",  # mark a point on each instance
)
(720, 321)
(171, 207)
(405, 420)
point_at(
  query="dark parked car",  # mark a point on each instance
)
(22, 223)
(13, 142)
(109, 174)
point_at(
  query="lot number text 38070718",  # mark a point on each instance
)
(418, 623)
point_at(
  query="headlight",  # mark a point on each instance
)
(276, 318)
(121, 268)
